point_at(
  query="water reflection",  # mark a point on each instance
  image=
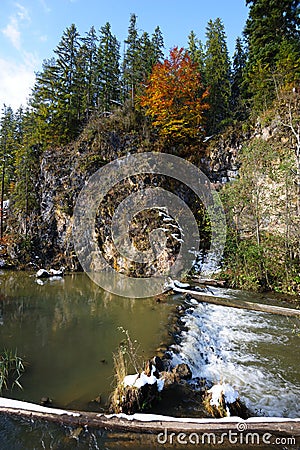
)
(67, 330)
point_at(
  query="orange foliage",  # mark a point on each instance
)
(174, 97)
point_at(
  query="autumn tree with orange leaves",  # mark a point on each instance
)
(174, 97)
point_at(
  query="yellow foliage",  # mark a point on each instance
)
(174, 97)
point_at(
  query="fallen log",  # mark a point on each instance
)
(209, 282)
(208, 297)
(250, 305)
(150, 423)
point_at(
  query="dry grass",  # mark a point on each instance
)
(125, 359)
(120, 369)
(120, 365)
(213, 410)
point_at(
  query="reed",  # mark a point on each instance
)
(11, 369)
(125, 359)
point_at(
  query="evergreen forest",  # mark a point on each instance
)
(96, 99)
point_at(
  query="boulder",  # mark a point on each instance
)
(182, 372)
(158, 362)
(42, 273)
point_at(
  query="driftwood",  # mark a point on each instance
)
(209, 282)
(230, 302)
(250, 306)
(149, 424)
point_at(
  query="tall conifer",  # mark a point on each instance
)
(217, 76)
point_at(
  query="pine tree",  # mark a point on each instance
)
(25, 195)
(59, 98)
(57, 94)
(70, 107)
(44, 102)
(86, 72)
(238, 76)
(150, 53)
(108, 70)
(193, 46)
(269, 23)
(217, 74)
(7, 159)
(196, 52)
(272, 32)
(288, 64)
(131, 62)
(18, 118)
(147, 57)
(157, 41)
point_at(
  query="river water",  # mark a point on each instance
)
(256, 353)
(66, 330)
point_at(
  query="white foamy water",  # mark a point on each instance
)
(246, 349)
(204, 264)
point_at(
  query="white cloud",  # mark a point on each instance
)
(12, 32)
(46, 8)
(12, 29)
(22, 13)
(16, 81)
(17, 76)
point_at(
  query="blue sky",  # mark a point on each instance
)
(31, 29)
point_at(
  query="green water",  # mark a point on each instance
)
(67, 330)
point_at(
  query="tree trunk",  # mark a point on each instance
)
(240, 304)
(149, 424)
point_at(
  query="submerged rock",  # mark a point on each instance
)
(97, 400)
(182, 372)
(179, 374)
(46, 401)
(158, 362)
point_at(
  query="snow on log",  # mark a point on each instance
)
(208, 296)
(148, 423)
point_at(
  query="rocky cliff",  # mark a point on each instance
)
(64, 171)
